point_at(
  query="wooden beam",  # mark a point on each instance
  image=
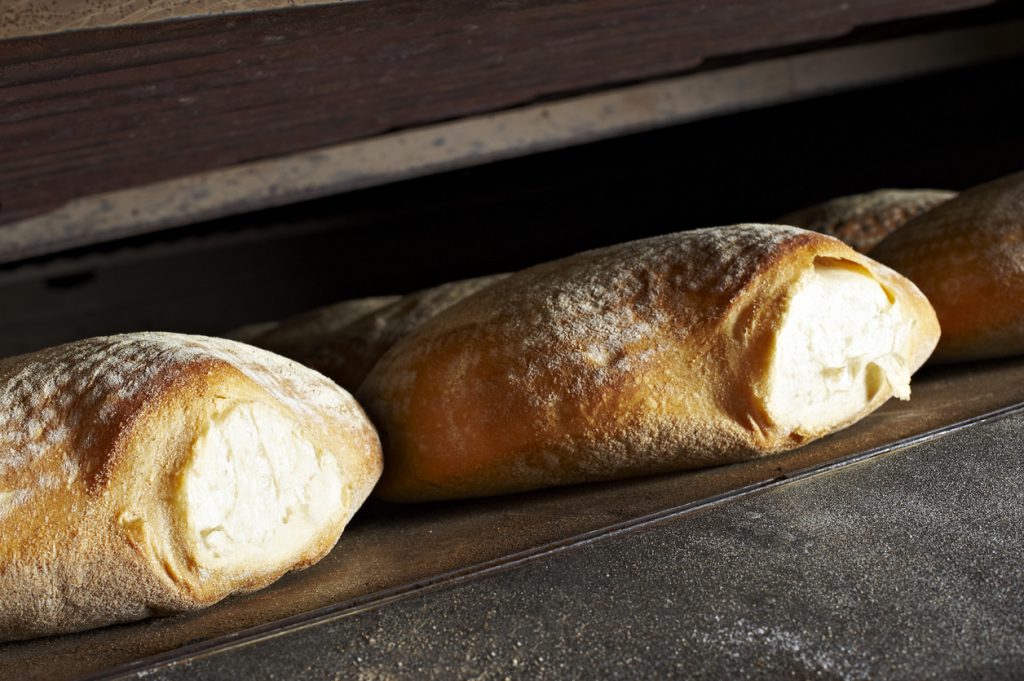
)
(90, 112)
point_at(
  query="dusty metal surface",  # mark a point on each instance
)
(907, 567)
(402, 548)
(483, 139)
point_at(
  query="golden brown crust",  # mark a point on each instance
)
(967, 256)
(94, 433)
(862, 220)
(348, 353)
(639, 358)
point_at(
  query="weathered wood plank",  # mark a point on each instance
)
(93, 111)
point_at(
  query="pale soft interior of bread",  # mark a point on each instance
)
(255, 491)
(841, 341)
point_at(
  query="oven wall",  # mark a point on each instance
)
(946, 131)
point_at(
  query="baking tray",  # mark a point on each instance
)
(903, 568)
(390, 551)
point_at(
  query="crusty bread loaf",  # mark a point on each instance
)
(676, 352)
(862, 220)
(347, 354)
(967, 256)
(250, 332)
(156, 473)
(304, 335)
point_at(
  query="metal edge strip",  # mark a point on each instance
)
(483, 139)
(512, 561)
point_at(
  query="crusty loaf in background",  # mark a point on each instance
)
(154, 473)
(967, 256)
(862, 220)
(348, 353)
(676, 352)
(302, 336)
(250, 332)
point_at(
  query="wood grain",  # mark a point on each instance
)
(93, 111)
(476, 140)
(20, 18)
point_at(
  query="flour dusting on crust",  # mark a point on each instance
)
(601, 318)
(639, 358)
(96, 437)
(45, 395)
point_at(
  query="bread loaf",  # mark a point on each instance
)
(250, 332)
(862, 220)
(302, 336)
(676, 352)
(347, 354)
(155, 473)
(967, 256)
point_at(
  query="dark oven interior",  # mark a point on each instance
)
(949, 130)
